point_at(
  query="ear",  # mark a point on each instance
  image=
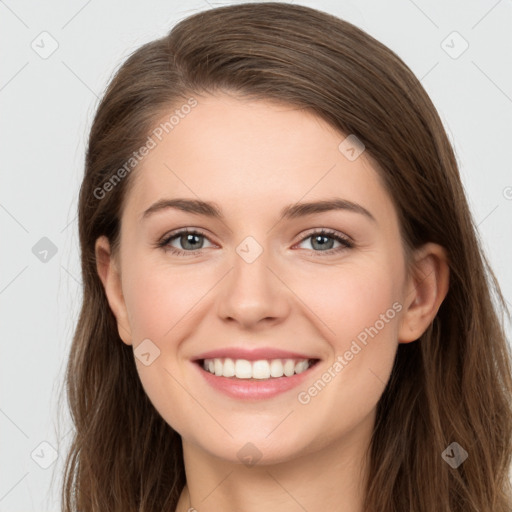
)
(108, 270)
(426, 289)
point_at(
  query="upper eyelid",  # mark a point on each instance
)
(327, 231)
(180, 231)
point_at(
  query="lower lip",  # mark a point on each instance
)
(254, 389)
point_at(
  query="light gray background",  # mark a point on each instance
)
(47, 107)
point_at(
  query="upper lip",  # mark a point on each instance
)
(252, 354)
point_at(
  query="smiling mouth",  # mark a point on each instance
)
(262, 369)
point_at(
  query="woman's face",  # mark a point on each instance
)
(252, 279)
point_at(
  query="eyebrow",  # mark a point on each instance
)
(211, 209)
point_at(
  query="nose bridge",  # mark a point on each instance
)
(251, 264)
(252, 292)
(252, 279)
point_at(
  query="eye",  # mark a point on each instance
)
(320, 240)
(190, 240)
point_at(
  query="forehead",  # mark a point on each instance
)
(252, 153)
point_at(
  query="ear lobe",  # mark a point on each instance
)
(427, 288)
(108, 271)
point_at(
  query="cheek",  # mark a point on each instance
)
(159, 301)
(359, 310)
(351, 298)
(157, 298)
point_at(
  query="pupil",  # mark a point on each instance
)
(322, 244)
(319, 239)
(189, 238)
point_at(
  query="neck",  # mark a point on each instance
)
(333, 477)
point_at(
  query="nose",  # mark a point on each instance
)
(253, 293)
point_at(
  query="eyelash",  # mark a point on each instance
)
(345, 242)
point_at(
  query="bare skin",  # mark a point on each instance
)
(253, 158)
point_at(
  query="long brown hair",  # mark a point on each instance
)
(454, 384)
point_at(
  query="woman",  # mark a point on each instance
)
(285, 301)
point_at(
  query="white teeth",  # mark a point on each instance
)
(301, 367)
(261, 369)
(228, 368)
(243, 369)
(217, 366)
(289, 367)
(276, 368)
